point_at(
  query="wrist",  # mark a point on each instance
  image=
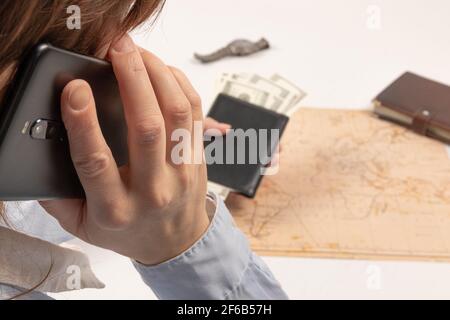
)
(176, 237)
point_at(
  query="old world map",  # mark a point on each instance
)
(351, 186)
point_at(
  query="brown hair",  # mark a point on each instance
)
(24, 23)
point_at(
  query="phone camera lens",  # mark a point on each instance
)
(47, 130)
(39, 130)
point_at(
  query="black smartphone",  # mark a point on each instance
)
(35, 162)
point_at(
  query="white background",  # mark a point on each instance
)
(329, 49)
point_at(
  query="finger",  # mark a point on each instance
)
(210, 123)
(200, 127)
(147, 138)
(175, 106)
(91, 155)
(190, 93)
(197, 113)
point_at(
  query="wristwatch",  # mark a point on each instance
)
(237, 48)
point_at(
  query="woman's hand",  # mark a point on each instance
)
(150, 210)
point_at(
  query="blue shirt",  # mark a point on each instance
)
(219, 266)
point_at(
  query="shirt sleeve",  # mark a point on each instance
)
(219, 266)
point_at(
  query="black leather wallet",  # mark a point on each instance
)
(243, 178)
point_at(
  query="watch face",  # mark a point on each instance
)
(241, 46)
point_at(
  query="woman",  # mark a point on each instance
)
(182, 242)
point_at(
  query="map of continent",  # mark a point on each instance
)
(351, 185)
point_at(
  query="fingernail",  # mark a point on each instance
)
(124, 45)
(80, 97)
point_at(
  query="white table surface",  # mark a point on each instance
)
(333, 51)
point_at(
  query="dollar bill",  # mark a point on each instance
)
(297, 94)
(277, 93)
(244, 92)
(278, 96)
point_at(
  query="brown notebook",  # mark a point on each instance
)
(418, 103)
